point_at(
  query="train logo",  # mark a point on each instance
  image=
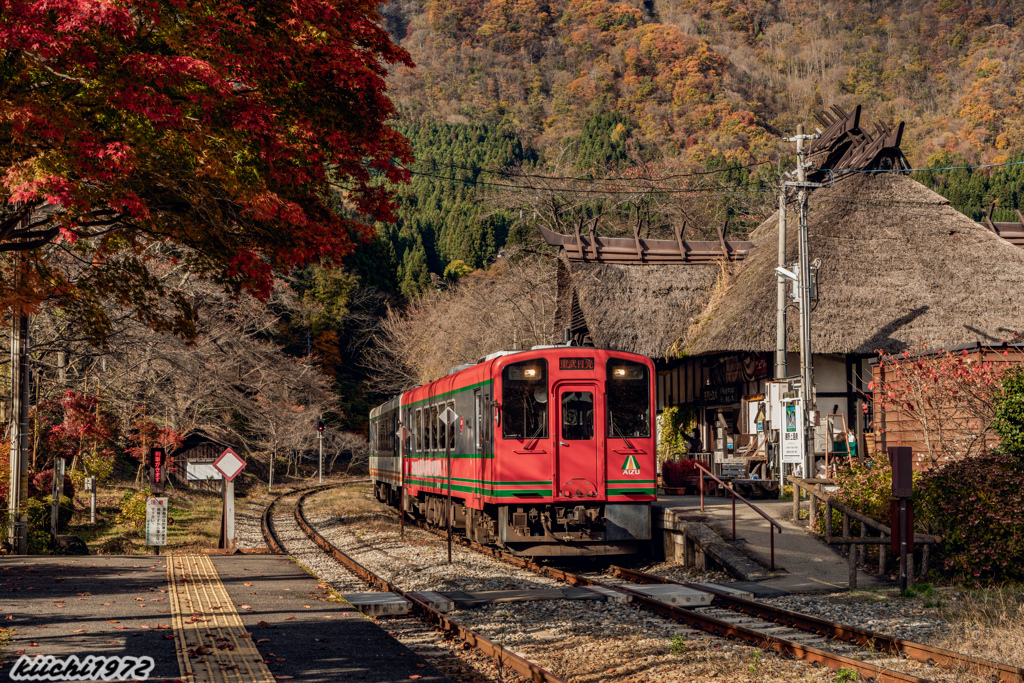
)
(630, 465)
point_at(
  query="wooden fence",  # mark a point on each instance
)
(857, 545)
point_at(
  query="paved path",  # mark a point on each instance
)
(244, 618)
(804, 564)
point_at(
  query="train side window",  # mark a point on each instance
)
(433, 428)
(452, 428)
(628, 389)
(418, 430)
(478, 419)
(524, 400)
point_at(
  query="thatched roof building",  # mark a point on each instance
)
(899, 267)
(643, 309)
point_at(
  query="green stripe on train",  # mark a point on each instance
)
(632, 491)
(442, 485)
(438, 397)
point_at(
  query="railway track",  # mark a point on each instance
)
(823, 643)
(502, 657)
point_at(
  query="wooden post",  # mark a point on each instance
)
(828, 522)
(881, 559)
(853, 567)
(812, 502)
(925, 550)
(796, 503)
(862, 548)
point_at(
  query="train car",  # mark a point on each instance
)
(552, 450)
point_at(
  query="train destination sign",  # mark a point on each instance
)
(575, 363)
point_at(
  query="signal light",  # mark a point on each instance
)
(320, 425)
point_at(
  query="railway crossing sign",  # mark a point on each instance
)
(229, 464)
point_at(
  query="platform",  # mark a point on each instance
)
(803, 563)
(252, 618)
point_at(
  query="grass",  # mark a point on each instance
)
(987, 623)
(194, 520)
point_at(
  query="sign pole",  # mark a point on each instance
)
(448, 458)
(230, 466)
(320, 435)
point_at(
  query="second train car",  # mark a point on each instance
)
(552, 450)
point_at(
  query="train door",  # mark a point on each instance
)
(579, 458)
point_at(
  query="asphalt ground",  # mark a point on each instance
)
(118, 606)
(103, 605)
(312, 639)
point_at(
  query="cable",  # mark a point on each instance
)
(506, 173)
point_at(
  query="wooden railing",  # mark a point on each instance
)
(857, 544)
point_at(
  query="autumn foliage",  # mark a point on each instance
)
(228, 138)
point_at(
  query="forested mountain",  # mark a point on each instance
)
(689, 83)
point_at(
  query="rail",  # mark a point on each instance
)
(858, 545)
(772, 524)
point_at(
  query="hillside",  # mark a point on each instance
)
(695, 84)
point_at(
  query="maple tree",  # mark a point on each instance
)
(214, 137)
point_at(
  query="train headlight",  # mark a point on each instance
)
(530, 372)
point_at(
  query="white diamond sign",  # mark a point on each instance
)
(229, 464)
(448, 416)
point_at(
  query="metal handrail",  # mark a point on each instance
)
(773, 525)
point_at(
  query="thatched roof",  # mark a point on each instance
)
(639, 308)
(899, 267)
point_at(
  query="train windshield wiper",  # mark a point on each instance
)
(611, 421)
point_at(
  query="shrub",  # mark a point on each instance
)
(1009, 413)
(42, 485)
(977, 506)
(673, 471)
(132, 512)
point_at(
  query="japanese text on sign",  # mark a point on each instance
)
(575, 363)
(156, 521)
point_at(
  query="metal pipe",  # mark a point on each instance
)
(771, 533)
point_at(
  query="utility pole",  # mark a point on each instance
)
(320, 436)
(804, 288)
(780, 304)
(18, 529)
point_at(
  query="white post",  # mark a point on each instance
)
(92, 504)
(321, 439)
(228, 524)
(270, 484)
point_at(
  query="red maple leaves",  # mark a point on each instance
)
(231, 130)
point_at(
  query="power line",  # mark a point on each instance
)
(507, 173)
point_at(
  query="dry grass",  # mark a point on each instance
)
(987, 624)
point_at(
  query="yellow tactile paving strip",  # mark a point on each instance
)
(210, 639)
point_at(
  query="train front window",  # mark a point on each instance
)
(629, 399)
(577, 416)
(524, 400)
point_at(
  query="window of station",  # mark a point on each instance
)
(524, 400)
(629, 399)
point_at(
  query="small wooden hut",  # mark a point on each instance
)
(193, 460)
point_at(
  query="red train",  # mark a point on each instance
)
(552, 450)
